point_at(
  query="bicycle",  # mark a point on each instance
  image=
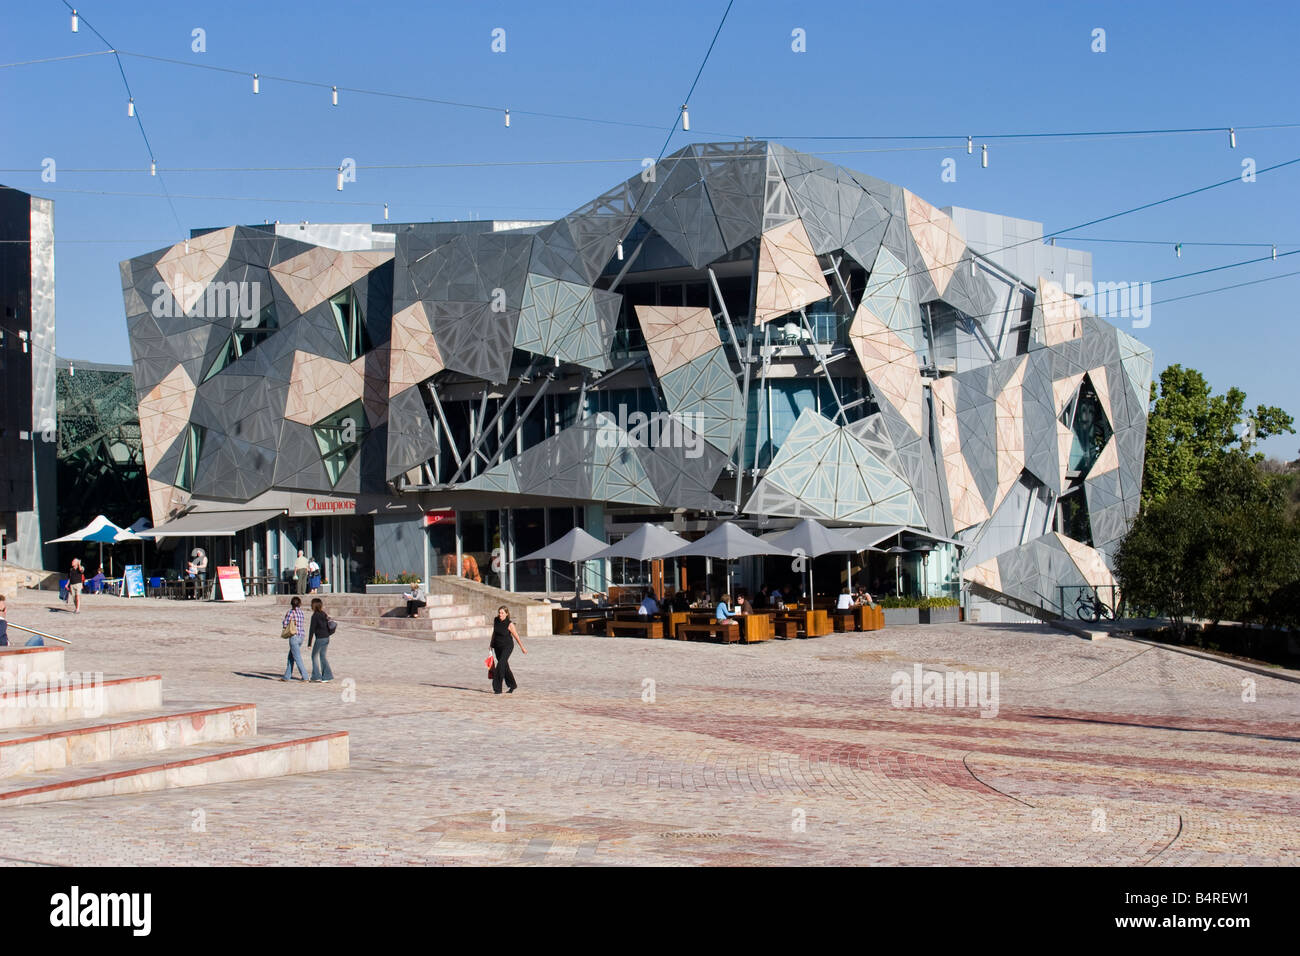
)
(1092, 608)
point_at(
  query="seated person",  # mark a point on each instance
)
(742, 601)
(648, 606)
(845, 602)
(95, 585)
(681, 601)
(864, 597)
(415, 599)
(776, 598)
(724, 615)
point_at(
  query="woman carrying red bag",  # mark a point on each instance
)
(504, 638)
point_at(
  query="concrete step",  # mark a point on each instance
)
(197, 765)
(90, 741)
(15, 661)
(422, 624)
(333, 601)
(78, 697)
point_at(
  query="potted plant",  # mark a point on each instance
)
(940, 610)
(900, 611)
(394, 583)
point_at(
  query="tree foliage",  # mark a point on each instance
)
(1190, 431)
(1225, 550)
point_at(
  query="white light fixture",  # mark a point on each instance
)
(507, 119)
(72, 370)
(187, 247)
(340, 179)
(972, 265)
(1232, 138)
(686, 119)
(1178, 250)
(130, 106)
(1275, 253)
(153, 168)
(74, 21)
(385, 211)
(257, 86)
(970, 145)
(620, 250)
(984, 155)
(334, 96)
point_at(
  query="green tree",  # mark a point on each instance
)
(1190, 430)
(1226, 550)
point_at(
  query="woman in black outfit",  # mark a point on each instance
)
(504, 638)
(318, 634)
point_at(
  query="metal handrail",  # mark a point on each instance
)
(39, 633)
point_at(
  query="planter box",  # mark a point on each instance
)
(389, 588)
(895, 616)
(941, 615)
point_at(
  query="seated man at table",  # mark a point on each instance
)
(681, 601)
(742, 603)
(845, 602)
(648, 606)
(724, 615)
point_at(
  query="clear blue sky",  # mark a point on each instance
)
(870, 69)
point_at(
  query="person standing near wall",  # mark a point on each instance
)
(300, 573)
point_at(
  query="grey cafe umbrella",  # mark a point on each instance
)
(727, 541)
(813, 540)
(575, 547)
(647, 543)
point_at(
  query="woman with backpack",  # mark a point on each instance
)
(318, 639)
(294, 630)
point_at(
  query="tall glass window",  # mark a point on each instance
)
(249, 333)
(189, 463)
(339, 438)
(351, 323)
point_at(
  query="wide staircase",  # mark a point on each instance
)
(64, 736)
(442, 620)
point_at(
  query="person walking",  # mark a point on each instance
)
(504, 638)
(313, 576)
(76, 578)
(318, 640)
(300, 573)
(294, 623)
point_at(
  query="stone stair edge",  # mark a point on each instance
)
(116, 724)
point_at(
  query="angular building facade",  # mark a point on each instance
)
(742, 332)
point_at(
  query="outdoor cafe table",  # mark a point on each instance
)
(753, 627)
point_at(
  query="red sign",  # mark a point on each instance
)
(232, 588)
(439, 517)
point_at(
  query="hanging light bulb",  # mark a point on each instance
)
(1275, 253)
(257, 86)
(187, 247)
(72, 370)
(385, 211)
(984, 156)
(686, 119)
(507, 119)
(620, 250)
(130, 106)
(1232, 138)
(970, 145)
(340, 179)
(972, 265)
(153, 168)
(1178, 250)
(334, 96)
(74, 21)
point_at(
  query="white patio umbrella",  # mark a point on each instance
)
(810, 538)
(100, 530)
(727, 541)
(576, 547)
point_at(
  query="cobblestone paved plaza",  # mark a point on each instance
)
(1111, 753)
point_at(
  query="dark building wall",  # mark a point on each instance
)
(16, 492)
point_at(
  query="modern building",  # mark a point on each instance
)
(741, 332)
(100, 455)
(27, 417)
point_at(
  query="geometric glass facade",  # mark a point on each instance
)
(742, 332)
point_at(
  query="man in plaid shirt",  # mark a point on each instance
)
(295, 615)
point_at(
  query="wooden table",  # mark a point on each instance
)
(561, 620)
